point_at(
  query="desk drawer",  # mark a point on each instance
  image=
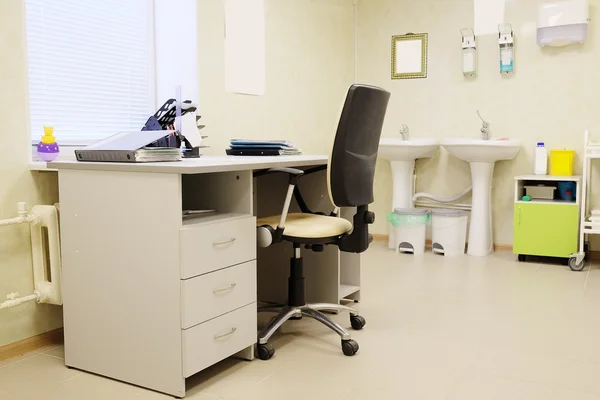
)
(208, 296)
(217, 339)
(209, 247)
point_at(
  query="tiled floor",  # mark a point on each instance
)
(437, 328)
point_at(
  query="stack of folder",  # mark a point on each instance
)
(242, 147)
(130, 147)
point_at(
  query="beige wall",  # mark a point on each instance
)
(17, 183)
(552, 96)
(310, 65)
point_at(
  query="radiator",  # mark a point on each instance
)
(45, 250)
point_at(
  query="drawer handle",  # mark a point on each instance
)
(221, 243)
(225, 288)
(226, 334)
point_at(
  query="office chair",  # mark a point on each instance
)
(350, 174)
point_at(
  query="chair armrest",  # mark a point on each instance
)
(294, 175)
(316, 169)
(291, 171)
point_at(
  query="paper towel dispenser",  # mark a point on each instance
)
(563, 22)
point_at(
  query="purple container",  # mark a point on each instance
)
(47, 152)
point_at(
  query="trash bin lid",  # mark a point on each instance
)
(410, 211)
(446, 212)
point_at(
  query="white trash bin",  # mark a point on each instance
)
(449, 231)
(410, 229)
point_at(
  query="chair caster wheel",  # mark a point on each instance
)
(349, 347)
(357, 322)
(264, 351)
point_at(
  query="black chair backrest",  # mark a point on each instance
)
(351, 169)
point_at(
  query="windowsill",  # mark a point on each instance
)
(41, 166)
(66, 153)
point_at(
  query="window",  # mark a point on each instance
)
(91, 66)
(100, 67)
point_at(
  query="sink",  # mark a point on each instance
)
(402, 155)
(482, 156)
(397, 149)
(476, 150)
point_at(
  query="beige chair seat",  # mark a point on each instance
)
(309, 226)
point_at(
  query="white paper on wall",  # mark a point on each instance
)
(245, 53)
(488, 15)
(408, 56)
(176, 59)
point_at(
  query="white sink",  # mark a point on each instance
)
(402, 155)
(477, 150)
(482, 155)
(397, 149)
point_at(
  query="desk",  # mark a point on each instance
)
(151, 297)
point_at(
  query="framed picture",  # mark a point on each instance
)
(409, 56)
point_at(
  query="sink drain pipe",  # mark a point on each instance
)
(444, 200)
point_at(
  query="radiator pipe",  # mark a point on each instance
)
(14, 300)
(22, 218)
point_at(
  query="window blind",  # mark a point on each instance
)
(91, 67)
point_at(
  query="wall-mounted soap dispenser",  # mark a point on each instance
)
(469, 46)
(506, 41)
(563, 22)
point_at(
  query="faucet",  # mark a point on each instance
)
(485, 128)
(404, 131)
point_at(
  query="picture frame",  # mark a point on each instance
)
(409, 56)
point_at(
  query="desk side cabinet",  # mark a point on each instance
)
(152, 297)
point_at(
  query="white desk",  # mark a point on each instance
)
(151, 298)
(202, 165)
